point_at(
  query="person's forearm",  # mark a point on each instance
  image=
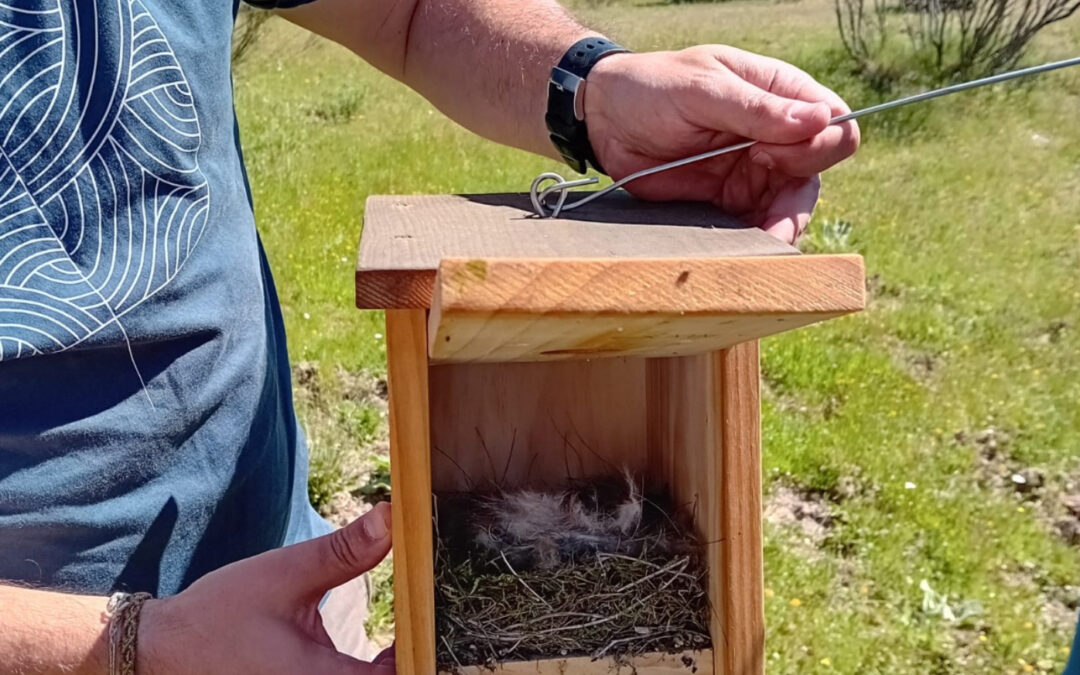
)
(485, 63)
(45, 633)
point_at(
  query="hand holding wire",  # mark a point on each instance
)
(560, 187)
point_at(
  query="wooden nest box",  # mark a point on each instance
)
(634, 326)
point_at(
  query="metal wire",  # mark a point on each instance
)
(560, 186)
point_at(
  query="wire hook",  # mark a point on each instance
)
(560, 187)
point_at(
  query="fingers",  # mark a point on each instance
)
(356, 548)
(740, 107)
(778, 77)
(316, 566)
(812, 156)
(785, 87)
(790, 211)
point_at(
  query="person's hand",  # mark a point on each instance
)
(261, 615)
(648, 109)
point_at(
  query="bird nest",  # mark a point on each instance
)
(598, 570)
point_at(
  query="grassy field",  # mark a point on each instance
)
(918, 456)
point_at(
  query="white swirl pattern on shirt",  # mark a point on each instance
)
(101, 196)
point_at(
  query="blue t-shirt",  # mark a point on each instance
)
(147, 434)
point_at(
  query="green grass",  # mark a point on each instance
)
(969, 224)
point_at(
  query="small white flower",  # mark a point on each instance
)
(909, 485)
(1018, 479)
(306, 315)
(378, 336)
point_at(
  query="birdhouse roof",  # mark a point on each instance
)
(406, 237)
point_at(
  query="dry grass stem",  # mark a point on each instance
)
(583, 593)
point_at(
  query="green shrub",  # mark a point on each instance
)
(344, 105)
(943, 40)
(343, 416)
(329, 472)
(377, 487)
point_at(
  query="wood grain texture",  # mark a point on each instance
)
(699, 663)
(536, 425)
(410, 483)
(704, 437)
(739, 572)
(405, 237)
(550, 309)
(683, 422)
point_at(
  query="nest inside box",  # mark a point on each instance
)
(596, 570)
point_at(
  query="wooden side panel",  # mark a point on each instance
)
(684, 441)
(536, 424)
(699, 663)
(532, 310)
(681, 416)
(410, 476)
(740, 569)
(705, 440)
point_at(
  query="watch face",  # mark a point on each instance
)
(565, 80)
(573, 86)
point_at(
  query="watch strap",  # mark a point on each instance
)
(568, 132)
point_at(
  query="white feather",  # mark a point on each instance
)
(547, 528)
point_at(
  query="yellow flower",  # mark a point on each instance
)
(795, 602)
(1028, 624)
(982, 638)
(769, 593)
(865, 590)
(825, 661)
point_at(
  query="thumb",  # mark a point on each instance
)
(327, 562)
(735, 105)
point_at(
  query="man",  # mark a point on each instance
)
(147, 436)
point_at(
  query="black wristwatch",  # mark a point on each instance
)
(565, 113)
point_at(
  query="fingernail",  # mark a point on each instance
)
(764, 159)
(375, 524)
(806, 112)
